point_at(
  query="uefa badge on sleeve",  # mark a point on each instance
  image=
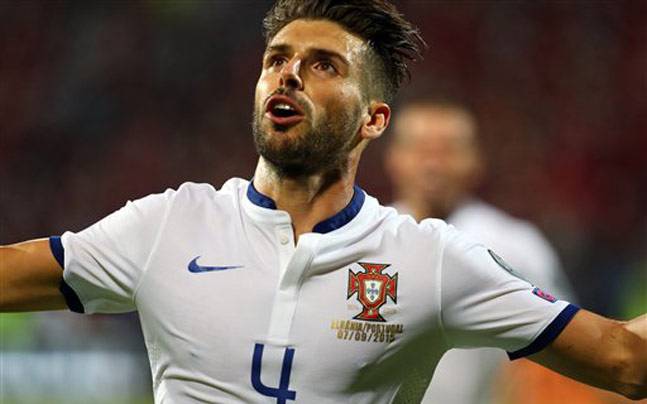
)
(505, 266)
(544, 295)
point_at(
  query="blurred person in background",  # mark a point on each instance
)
(436, 165)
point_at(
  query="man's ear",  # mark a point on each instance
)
(376, 120)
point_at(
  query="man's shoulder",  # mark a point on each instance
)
(232, 186)
(405, 224)
(192, 195)
(520, 242)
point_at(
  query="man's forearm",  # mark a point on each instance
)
(601, 352)
(29, 278)
(634, 375)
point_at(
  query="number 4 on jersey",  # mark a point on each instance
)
(282, 393)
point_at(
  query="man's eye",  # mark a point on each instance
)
(276, 61)
(326, 67)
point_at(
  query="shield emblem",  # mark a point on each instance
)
(373, 289)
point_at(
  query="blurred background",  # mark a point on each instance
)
(101, 102)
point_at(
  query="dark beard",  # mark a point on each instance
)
(323, 149)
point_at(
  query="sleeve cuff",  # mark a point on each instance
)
(71, 298)
(58, 251)
(548, 335)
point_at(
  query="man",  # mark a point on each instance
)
(297, 285)
(434, 162)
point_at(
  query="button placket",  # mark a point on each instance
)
(289, 286)
(285, 245)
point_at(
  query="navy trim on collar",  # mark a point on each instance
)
(259, 199)
(343, 216)
(340, 219)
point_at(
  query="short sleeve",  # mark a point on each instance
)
(486, 304)
(104, 263)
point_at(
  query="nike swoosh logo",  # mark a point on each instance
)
(195, 268)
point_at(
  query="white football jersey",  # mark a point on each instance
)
(233, 310)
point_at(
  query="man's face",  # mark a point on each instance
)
(309, 100)
(434, 158)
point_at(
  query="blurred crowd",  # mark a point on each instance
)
(101, 102)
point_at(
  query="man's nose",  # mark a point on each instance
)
(291, 74)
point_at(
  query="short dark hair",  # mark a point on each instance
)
(393, 41)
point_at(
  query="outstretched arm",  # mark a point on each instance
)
(601, 352)
(30, 277)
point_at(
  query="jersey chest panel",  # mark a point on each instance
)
(346, 310)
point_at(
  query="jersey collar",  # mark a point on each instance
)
(334, 222)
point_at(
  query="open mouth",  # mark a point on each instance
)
(282, 110)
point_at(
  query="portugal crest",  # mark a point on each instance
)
(372, 288)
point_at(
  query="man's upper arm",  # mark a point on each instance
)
(30, 277)
(486, 304)
(601, 352)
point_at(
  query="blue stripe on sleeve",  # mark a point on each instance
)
(71, 298)
(56, 246)
(548, 335)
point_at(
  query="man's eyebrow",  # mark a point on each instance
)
(325, 53)
(280, 48)
(316, 52)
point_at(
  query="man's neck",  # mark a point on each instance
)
(308, 200)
